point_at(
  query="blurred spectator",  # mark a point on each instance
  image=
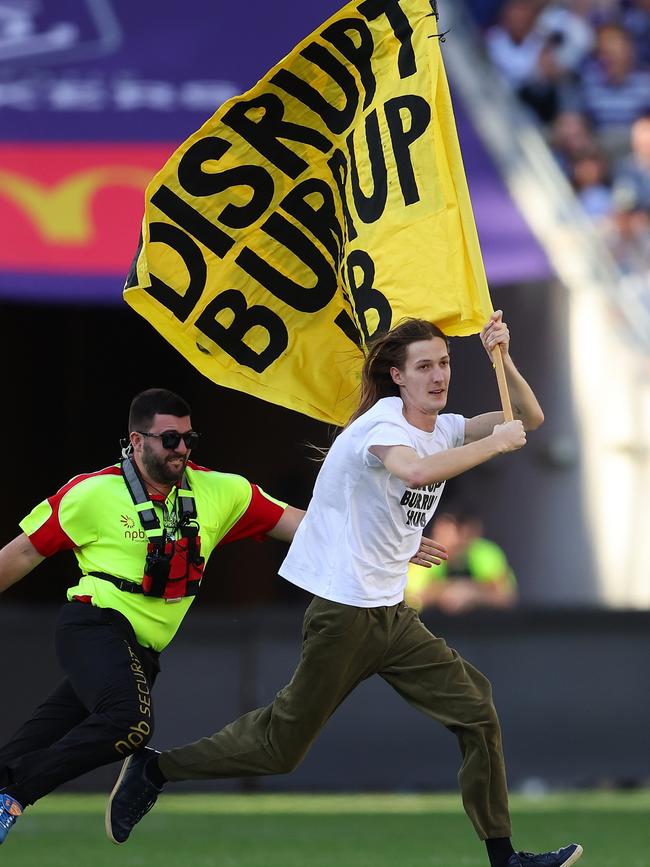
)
(590, 179)
(613, 90)
(567, 26)
(514, 45)
(570, 138)
(628, 234)
(583, 67)
(632, 175)
(539, 50)
(476, 575)
(542, 92)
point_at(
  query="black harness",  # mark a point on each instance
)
(173, 567)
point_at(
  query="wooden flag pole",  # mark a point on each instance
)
(497, 363)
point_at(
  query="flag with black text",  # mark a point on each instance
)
(314, 211)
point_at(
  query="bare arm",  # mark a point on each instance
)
(405, 463)
(428, 554)
(525, 406)
(286, 527)
(17, 559)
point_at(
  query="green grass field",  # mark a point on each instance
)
(325, 831)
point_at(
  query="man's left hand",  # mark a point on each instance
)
(430, 553)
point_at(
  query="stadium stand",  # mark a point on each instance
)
(582, 68)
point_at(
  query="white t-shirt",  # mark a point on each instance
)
(364, 524)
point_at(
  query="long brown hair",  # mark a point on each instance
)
(386, 351)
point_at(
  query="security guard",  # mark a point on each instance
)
(142, 531)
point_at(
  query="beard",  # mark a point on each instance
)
(159, 469)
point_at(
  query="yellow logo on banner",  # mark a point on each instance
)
(62, 212)
(316, 210)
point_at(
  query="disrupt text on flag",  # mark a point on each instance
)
(262, 124)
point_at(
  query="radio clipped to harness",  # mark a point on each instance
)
(173, 567)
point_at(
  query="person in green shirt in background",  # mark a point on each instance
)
(476, 574)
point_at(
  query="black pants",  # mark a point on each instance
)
(100, 713)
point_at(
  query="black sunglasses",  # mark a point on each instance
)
(171, 438)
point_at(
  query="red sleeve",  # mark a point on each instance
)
(50, 537)
(260, 517)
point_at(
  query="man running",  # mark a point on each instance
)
(377, 489)
(142, 531)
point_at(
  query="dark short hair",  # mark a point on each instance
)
(154, 401)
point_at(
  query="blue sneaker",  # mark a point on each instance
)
(10, 809)
(132, 797)
(562, 858)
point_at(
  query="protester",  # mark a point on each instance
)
(378, 487)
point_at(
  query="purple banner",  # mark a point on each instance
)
(94, 94)
(99, 70)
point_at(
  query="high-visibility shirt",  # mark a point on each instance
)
(483, 561)
(94, 515)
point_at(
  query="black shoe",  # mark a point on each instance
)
(562, 858)
(132, 797)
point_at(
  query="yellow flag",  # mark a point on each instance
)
(318, 209)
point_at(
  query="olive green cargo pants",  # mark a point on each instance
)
(342, 646)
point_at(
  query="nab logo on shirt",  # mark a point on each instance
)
(130, 532)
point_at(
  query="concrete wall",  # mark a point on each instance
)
(571, 689)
